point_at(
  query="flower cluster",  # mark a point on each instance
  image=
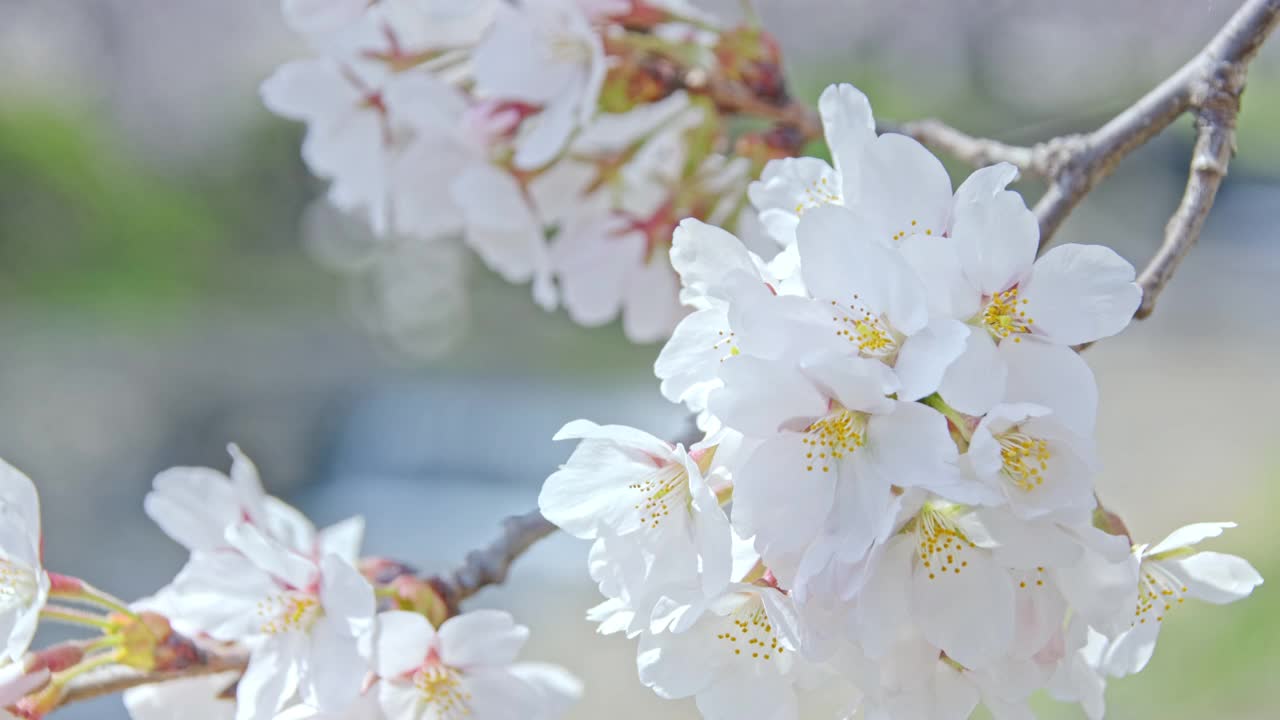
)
(894, 497)
(327, 634)
(563, 139)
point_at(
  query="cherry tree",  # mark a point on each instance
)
(890, 495)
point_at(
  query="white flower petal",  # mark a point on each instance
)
(590, 490)
(481, 637)
(197, 697)
(345, 593)
(985, 183)
(1080, 293)
(1188, 536)
(269, 555)
(270, 679)
(501, 227)
(651, 305)
(1131, 651)
(924, 357)
(769, 505)
(556, 687)
(677, 665)
(1054, 376)
(403, 642)
(689, 363)
(911, 447)
(996, 240)
(333, 671)
(843, 262)
(938, 266)
(975, 381)
(849, 127)
(764, 695)
(343, 539)
(1214, 577)
(788, 188)
(759, 396)
(900, 183)
(18, 495)
(704, 255)
(193, 506)
(969, 614)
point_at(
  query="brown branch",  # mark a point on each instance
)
(975, 151)
(1216, 71)
(1215, 143)
(489, 565)
(116, 678)
(1209, 86)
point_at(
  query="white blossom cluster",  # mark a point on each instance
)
(893, 504)
(261, 577)
(528, 128)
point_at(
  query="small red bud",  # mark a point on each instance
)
(56, 658)
(64, 584)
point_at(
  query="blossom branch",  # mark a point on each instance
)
(1209, 86)
(177, 658)
(1215, 143)
(489, 565)
(975, 151)
(117, 679)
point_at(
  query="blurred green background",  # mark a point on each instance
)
(156, 302)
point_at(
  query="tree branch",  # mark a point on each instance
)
(117, 678)
(975, 151)
(1215, 143)
(1217, 71)
(1209, 85)
(489, 565)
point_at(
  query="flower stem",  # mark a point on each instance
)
(960, 423)
(81, 668)
(72, 616)
(90, 595)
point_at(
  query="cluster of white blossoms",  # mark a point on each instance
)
(893, 503)
(552, 135)
(321, 641)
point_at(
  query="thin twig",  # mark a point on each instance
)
(1215, 140)
(975, 151)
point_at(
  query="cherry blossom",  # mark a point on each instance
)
(543, 53)
(466, 667)
(24, 584)
(736, 657)
(1169, 572)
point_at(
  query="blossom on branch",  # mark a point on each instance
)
(262, 577)
(563, 140)
(465, 668)
(902, 441)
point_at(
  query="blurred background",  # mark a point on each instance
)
(156, 302)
